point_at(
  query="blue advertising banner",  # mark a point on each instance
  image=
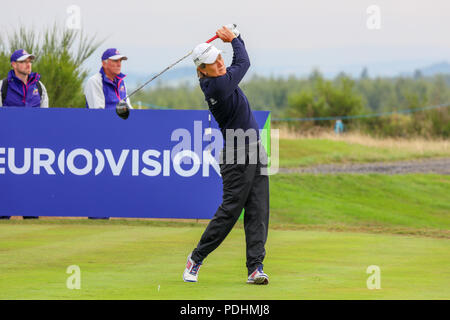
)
(91, 163)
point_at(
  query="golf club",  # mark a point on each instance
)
(122, 108)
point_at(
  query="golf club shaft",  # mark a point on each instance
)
(212, 39)
(156, 76)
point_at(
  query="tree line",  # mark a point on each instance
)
(316, 96)
(61, 53)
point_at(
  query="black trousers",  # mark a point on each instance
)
(245, 186)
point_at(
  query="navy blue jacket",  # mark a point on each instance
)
(225, 99)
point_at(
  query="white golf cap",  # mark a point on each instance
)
(205, 53)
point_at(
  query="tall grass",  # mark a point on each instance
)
(417, 145)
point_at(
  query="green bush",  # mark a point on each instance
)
(324, 98)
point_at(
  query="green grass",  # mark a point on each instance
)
(141, 259)
(414, 201)
(308, 152)
(146, 262)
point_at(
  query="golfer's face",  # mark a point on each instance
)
(217, 68)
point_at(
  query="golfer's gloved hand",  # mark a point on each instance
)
(233, 29)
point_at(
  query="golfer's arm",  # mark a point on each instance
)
(234, 54)
(241, 63)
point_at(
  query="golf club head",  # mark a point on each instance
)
(122, 110)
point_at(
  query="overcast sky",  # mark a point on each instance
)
(279, 34)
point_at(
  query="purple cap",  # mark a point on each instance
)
(113, 54)
(21, 55)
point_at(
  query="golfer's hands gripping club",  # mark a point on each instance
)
(233, 28)
(122, 109)
(225, 34)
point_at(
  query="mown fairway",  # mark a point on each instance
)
(326, 229)
(120, 261)
(306, 257)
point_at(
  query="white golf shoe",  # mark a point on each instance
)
(190, 273)
(258, 277)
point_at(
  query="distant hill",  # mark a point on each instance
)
(431, 70)
(442, 67)
(179, 75)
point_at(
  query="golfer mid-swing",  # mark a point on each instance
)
(245, 184)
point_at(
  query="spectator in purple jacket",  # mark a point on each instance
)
(22, 88)
(107, 87)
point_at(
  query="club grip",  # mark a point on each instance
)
(212, 39)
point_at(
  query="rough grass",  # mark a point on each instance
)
(326, 148)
